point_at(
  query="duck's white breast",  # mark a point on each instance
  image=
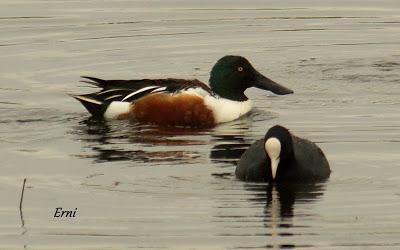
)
(224, 110)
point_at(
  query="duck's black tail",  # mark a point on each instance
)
(95, 106)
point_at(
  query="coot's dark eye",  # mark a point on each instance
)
(240, 69)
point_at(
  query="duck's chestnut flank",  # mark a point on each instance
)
(173, 110)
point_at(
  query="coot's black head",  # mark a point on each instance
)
(232, 75)
(279, 149)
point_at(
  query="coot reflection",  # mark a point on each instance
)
(283, 196)
(281, 200)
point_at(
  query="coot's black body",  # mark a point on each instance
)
(300, 160)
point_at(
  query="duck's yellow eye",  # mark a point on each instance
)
(240, 69)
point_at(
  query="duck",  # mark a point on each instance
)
(283, 157)
(180, 102)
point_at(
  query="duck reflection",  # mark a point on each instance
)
(124, 141)
(228, 148)
(229, 145)
(121, 141)
(232, 139)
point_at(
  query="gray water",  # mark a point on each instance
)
(140, 186)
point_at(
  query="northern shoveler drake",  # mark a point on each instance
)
(179, 102)
(281, 156)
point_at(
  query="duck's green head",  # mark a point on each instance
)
(232, 75)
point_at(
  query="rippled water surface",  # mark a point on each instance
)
(141, 186)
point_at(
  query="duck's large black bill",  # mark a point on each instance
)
(263, 82)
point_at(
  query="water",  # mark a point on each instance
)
(140, 186)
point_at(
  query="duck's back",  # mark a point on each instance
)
(310, 160)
